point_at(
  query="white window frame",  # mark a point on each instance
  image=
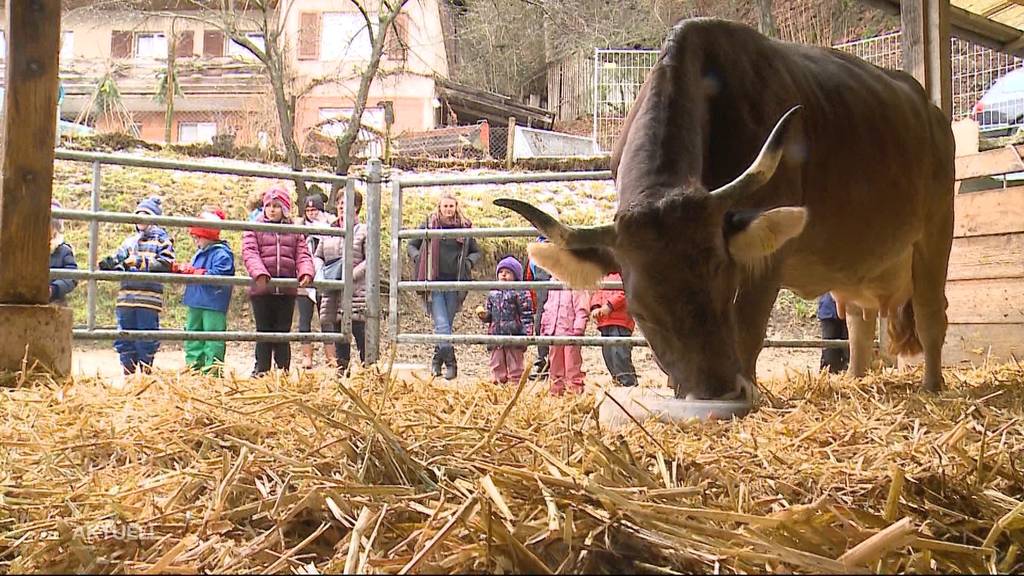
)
(149, 53)
(372, 117)
(67, 45)
(3, 44)
(344, 37)
(236, 49)
(200, 132)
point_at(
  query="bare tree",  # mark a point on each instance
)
(766, 20)
(386, 17)
(237, 19)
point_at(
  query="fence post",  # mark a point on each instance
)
(510, 147)
(94, 241)
(350, 223)
(396, 260)
(485, 138)
(373, 262)
(595, 92)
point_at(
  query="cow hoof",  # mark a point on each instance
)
(661, 404)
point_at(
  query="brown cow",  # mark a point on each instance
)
(852, 192)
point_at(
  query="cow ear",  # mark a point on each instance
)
(765, 233)
(578, 268)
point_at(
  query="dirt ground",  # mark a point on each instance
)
(473, 360)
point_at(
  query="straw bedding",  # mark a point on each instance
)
(184, 474)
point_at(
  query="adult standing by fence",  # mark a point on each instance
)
(445, 259)
(330, 254)
(313, 215)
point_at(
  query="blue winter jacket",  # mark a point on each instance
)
(62, 256)
(218, 260)
(827, 307)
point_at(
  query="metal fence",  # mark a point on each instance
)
(400, 186)
(618, 75)
(94, 216)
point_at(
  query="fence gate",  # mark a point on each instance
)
(402, 186)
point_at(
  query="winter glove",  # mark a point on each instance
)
(108, 263)
(182, 268)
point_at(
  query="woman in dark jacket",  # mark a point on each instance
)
(445, 259)
(61, 256)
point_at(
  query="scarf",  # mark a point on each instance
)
(430, 261)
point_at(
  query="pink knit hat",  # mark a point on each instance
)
(280, 195)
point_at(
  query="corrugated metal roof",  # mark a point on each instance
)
(1008, 12)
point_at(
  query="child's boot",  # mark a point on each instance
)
(436, 362)
(452, 370)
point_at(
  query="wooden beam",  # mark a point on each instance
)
(926, 48)
(33, 42)
(989, 212)
(987, 257)
(985, 301)
(974, 342)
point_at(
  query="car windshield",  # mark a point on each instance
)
(1011, 83)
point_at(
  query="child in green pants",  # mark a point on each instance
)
(207, 304)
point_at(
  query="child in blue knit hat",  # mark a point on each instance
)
(509, 312)
(139, 302)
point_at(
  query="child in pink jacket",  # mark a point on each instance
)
(565, 314)
(269, 255)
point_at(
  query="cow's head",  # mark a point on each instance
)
(682, 254)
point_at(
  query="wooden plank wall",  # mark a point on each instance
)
(985, 286)
(570, 87)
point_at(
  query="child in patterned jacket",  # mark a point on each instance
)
(508, 312)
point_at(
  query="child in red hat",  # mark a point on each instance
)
(207, 303)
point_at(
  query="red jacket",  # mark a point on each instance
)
(616, 299)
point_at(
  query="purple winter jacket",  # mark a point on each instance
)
(275, 255)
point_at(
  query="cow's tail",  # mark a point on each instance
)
(902, 331)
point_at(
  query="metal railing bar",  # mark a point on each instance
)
(584, 340)
(431, 181)
(183, 221)
(427, 233)
(180, 335)
(172, 278)
(141, 162)
(474, 286)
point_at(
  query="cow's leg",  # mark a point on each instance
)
(754, 304)
(931, 258)
(861, 326)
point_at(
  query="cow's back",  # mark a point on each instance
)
(872, 158)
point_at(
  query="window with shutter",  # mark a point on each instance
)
(309, 35)
(397, 45)
(213, 43)
(185, 47)
(120, 44)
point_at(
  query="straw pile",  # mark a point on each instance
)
(182, 474)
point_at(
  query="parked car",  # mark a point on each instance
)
(1000, 112)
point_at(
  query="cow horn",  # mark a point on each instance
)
(558, 233)
(763, 167)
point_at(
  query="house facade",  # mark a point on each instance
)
(223, 88)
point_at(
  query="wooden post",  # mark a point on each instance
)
(485, 139)
(33, 41)
(926, 48)
(510, 147)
